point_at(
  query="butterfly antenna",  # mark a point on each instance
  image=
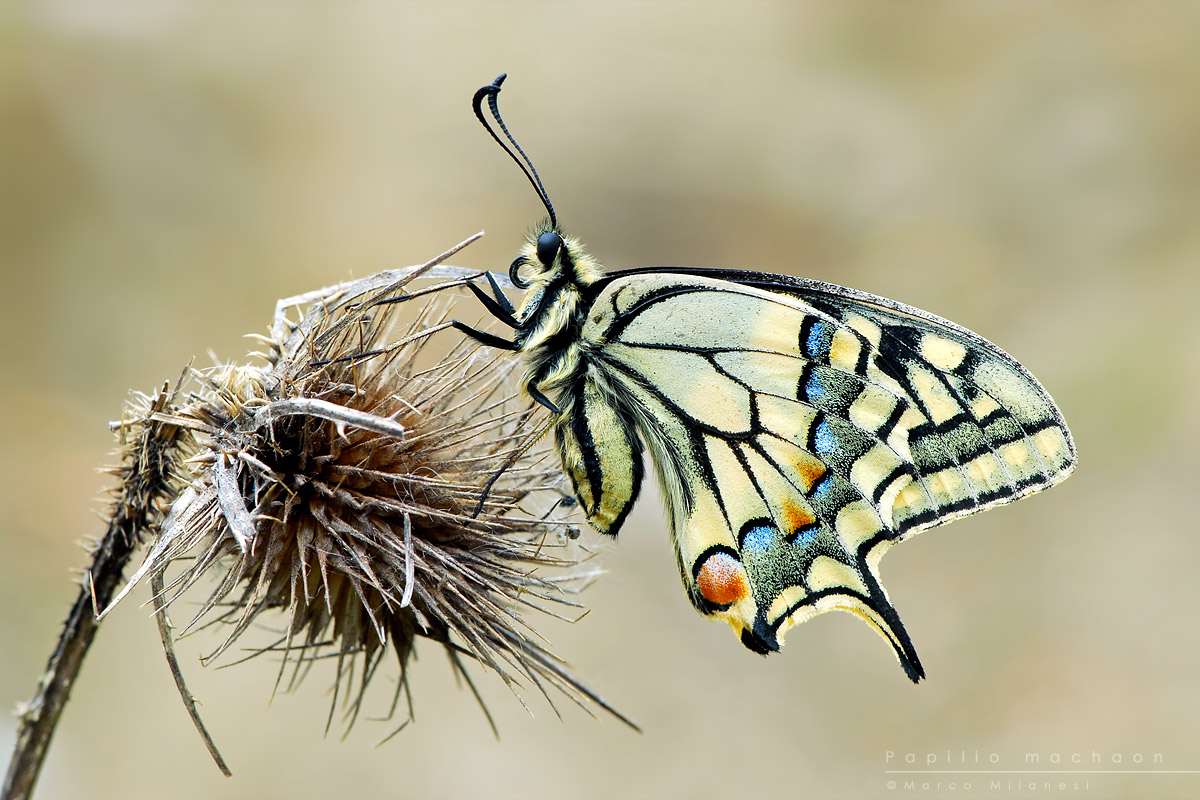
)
(491, 91)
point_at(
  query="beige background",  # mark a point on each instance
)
(167, 170)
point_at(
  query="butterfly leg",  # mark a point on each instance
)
(536, 394)
(485, 338)
(499, 307)
(500, 343)
(496, 303)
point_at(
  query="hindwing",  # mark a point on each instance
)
(798, 429)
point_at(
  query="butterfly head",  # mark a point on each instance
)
(550, 258)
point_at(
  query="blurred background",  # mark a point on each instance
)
(1031, 171)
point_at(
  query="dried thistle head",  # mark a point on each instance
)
(369, 490)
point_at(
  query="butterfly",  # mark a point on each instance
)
(798, 429)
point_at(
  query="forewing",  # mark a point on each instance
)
(980, 430)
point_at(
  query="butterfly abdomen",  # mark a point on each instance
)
(601, 452)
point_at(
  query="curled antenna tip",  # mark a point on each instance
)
(491, 91)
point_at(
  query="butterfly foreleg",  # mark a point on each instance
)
(500, 308)
(496, 303)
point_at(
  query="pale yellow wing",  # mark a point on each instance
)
(798, 430)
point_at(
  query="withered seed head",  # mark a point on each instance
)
(343, 485)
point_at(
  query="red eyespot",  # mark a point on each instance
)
(722, 580)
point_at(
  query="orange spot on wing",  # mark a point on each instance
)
(795, 517)
(810, 469)
(722, 580)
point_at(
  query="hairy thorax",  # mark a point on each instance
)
(554, 310)
(552, 346)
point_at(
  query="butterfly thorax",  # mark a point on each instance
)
(553, 311)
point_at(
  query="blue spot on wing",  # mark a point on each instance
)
(758, 539)
(814, 389)
(806, 536)
(822, 492)
(824, 439)
(820, 337)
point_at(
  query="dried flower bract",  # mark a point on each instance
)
(371, 490)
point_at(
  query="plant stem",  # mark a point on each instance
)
(40, 716)
(144, 481)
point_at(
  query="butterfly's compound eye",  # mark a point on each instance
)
(547, 247)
